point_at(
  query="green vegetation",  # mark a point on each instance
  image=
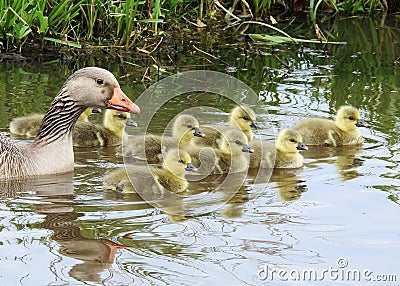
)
(123, 23)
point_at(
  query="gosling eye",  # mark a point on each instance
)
(351, 118)
(189, 126)
(246, 117)
(121, 116)
(99, 81)
(292, 140)
(238, 142)
(180, 161)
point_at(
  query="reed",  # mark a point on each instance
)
(124, 22)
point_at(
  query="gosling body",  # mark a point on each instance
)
(241, 118)
(110, 133)
(150, 147)
(341, 132)
(150, 180)
(283, 154)
(231, 156)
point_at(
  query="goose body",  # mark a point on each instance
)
(241, 118)
(343, 131)
(28, 126)
(51, 151)
(229, 157)
(169, 176)
(110, 133)
(283, 154)
(151, 147)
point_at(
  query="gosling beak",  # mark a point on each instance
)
(361, 123)
(255, 124)
(246, 148)
(121, 102)
(96, 110)
(301, 146)
(190, 167)
(130, 122)
(198, 133)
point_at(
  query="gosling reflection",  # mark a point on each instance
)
(234, 207)
(96, 255)
(344, 158)
(288, 183)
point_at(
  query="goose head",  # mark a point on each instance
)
(348, 118)
(97, 87)
(185, 127)
(244, 118)
(234, 142)
(178, 162)
(289, 141)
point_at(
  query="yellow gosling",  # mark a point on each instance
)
(154, 179)
(151, 147)
(343, 131)
(283, 154)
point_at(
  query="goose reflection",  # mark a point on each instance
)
(56, 201)
(95, 255)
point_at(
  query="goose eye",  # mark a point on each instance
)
(292, 140)
(238, 142)
(246, 117)
(180, 161)
(121, 116)
(189, 126)
(100, 81)
(351, 118)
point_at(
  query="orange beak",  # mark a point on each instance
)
(121, 102)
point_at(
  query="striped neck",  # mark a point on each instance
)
(59, 119)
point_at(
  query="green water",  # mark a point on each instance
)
(342, 207)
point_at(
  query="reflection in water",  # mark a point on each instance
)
(56, 201)
(96, 255)
(344, 158)
(332, 207)
(44, 185)
(287, 182)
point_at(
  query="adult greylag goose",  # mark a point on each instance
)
(154, 179)
(51, 151)
(283, 154)
(343, 131)
(110, 133)
(241, 117)
(150, 147)
(28, 126)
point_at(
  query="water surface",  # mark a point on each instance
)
(339, 212)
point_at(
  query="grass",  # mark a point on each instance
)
(123, 23)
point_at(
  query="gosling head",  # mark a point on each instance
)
(244, 117)
(348, 118)
(186, 124)
(178, 162)
(234, 141)
(289, 141)
(117, 120)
